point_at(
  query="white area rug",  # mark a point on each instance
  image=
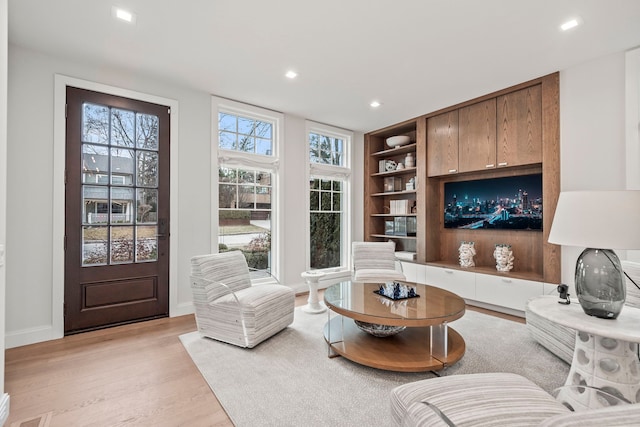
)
(288, 380)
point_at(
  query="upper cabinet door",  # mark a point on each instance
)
(520, 127)
(442, 144)
(477, 129)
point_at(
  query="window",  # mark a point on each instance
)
(247, 142)
(329, 208)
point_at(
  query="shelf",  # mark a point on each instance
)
(409, 148)
(394, 193)
(390, 214)
(393, 236)
(526, 275)
(396, 172)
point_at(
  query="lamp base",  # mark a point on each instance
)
(600, 283)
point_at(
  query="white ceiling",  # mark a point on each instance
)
(414, 56)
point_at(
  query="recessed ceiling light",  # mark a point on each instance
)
(572, 23)
(124, 15)
(375, 104)
(291, 74)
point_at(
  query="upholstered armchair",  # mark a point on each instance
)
(229, 308)
(500, 399)
(375, 262)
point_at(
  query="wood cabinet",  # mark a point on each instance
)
(520, 127)
(517, 131)
(477, 136)
(442, 150)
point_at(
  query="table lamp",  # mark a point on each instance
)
(600, 221)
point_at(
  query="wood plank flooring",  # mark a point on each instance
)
(134, 375)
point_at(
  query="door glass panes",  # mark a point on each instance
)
(325, 197)
(326, 149)
(147, 131)
(94, 245)
(245, 134)
(120, 186)
(95, 123)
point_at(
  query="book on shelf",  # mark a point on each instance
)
(406, 255)
(399, 207)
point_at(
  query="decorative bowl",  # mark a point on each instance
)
(379, 330)
(396, 141)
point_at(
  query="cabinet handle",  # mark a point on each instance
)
(490, 166)
(453, 170)
(446, 270)
(507, 280)
(502, 164)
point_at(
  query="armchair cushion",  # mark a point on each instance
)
(494, 399)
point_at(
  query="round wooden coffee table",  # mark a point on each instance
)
(426, 343)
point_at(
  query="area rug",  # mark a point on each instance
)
(288, 380)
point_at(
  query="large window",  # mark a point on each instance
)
(247, 183)
(329, 207)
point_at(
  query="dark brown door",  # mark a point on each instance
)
(117, 211)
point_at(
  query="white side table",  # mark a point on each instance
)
(605, 355)
(313, 305)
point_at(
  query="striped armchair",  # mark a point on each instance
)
(375, 262)
(229, 309)
(496, 399)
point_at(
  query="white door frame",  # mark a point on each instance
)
(58, 216)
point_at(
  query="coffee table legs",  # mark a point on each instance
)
(439, 341)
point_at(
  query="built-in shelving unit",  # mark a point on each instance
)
(511, 132)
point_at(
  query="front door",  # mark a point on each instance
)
(117, 211)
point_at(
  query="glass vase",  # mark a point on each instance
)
(600, 283)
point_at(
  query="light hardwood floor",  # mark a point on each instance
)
(138, 374)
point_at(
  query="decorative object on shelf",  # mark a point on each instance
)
(398, 140)
(400, 225)
(414, 207)
(411, 185)
(412, 226)
(388, 228)
(467, 251)
(600, 221)
(399, 166)
(379, 331)
(390, 165)
(382, 166)
(409, 160)
(396, 291)
(504, 257)
(392, 183)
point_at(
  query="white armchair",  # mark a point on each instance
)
(375, 262)
(228, 308)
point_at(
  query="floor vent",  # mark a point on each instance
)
(40, 421)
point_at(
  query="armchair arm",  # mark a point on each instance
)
(611, 399)
(413, 416)
(265, 271)
(196, 288)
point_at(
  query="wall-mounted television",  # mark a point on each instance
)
(507, 203)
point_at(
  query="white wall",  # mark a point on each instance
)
(3, 174)
(30, 314)
(592, 134)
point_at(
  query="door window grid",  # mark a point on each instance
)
(119, 170)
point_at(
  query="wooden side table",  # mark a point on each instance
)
(605, 354)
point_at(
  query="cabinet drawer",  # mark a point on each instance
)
(505, 291)
(414, 272)
(462, 283)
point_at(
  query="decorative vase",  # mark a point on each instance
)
(409, 161)
(467, 251)
(600, 284)
(504, 257)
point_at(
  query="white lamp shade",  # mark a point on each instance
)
(597, 219)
